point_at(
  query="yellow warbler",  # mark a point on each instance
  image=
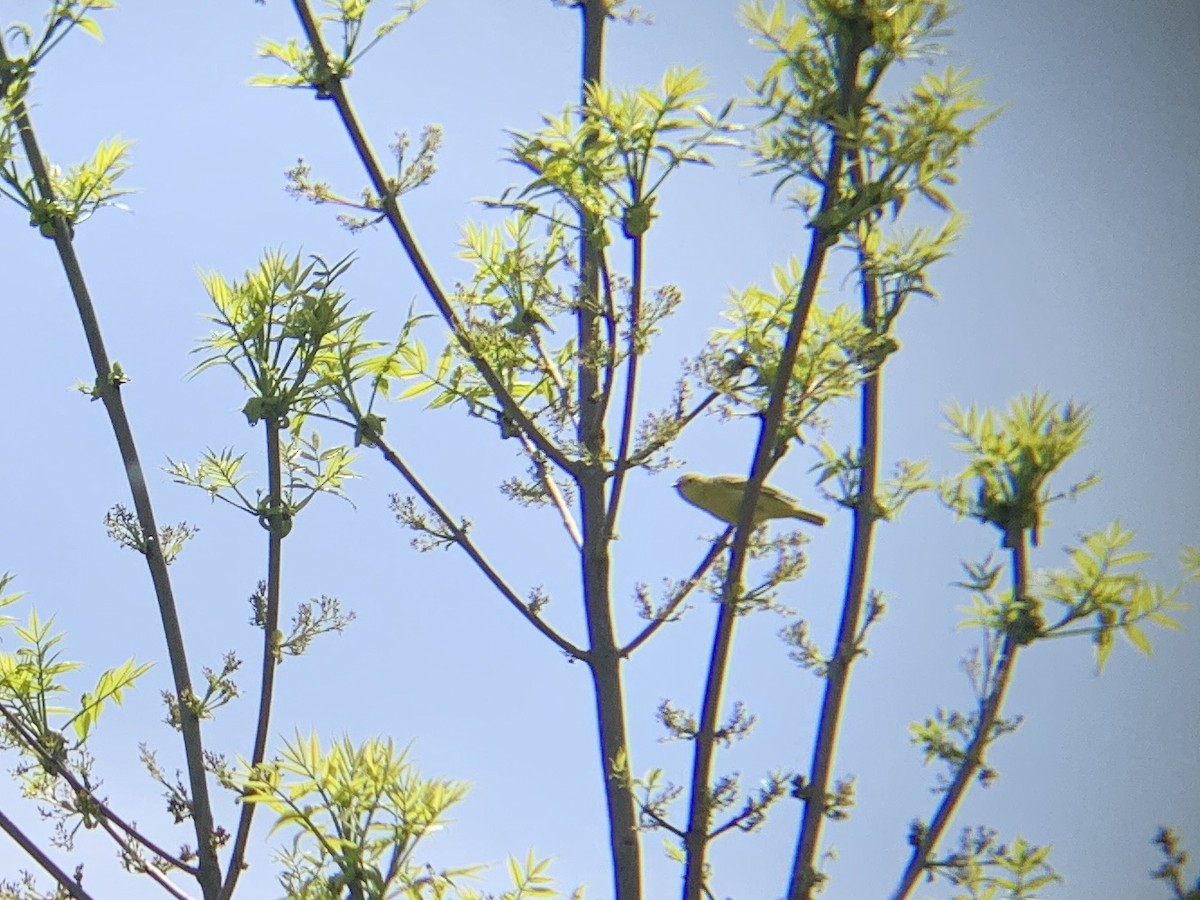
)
(721, 496)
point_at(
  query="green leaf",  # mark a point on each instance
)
(1189, 559)
(1138, 638)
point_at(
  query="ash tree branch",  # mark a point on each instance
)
(270, 650)
(682, 594)
(209, 873)
(621, 465)
(546, 477)
(395, 216)
(463, 540)
(766, 455)
(22, 840)
(804, 875)
(989, 715)
(50, 762)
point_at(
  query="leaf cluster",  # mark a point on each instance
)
(741, 362)
(1011, 457)
(358, 814)
(31, 676)
(320, 72)
(811, 97)
(982, 868)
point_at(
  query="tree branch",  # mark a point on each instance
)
(148, 870)
(804, 877)
(604, 658)
(48, 761)
(209, 873)
(22, 840)
(556, 497)
(277, 520)
(989, 714)
(395, 217)
(766, 455)
(604, 286)
(464, 540)
(688, 586)
(621, 464)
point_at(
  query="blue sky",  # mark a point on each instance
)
(1076, 274)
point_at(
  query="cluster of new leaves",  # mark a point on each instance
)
(608, 160)
(907, 146)
(1011, 457)
(897, 263)
(1005, 483)
(1098, 586)
(984, 869)
(61, 17)
(513, 294)
(358, 814)
(30, 679)
(84, 188)
(273, 330)
(308, 70)
(77, 193)
(858, 155)
(50, 736)
(16, 69)
(742, 361)
(281, 329)
(311, 469)
(598, 168)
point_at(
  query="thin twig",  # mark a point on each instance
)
(621, 465)
(546, 477)
(685, 589)
(551, 370)
(463, 540)
(22, 840)
(989, 713)
(605, 285)
(149, 871)
(661, 822)
(687, 419)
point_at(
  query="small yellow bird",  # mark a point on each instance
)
(721, 496)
